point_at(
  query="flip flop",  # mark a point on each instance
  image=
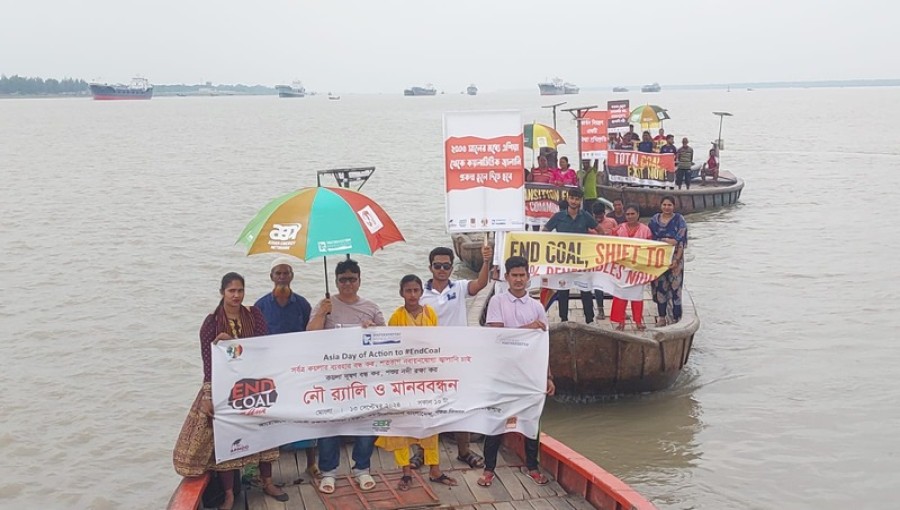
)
(405, 482)
(365, 482)
(472, 459)
(445, 480)
(486, 479)
(536, 476)
(326, 485)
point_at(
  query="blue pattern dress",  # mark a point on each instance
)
(667, 288)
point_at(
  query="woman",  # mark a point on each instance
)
(564, 175)
(669, 227)
(414, 314)
(646, 144)
(631, 228)
(229, 320)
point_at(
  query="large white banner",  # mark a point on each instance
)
(411, 381)
(484, 171)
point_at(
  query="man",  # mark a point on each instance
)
(618, 212)
(448, 299)
(587, 179)
(631, 136)
(515, 309)
(684, 158)
(573, 220)
(347, 309)
(288, 312)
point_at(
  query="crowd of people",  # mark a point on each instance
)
(438, 301)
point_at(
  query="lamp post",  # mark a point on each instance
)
(554, 106)
(719, 143)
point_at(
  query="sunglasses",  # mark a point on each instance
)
(446, 266)
(348, 279)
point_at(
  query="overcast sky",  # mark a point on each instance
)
(385, 46)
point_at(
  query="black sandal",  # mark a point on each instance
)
(472, 459)
(405, 483)
(444, 480)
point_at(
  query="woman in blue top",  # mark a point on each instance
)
(669, 227)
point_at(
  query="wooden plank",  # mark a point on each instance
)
(309, 497)
(560, 503)
(496, 492)
(512, 484)
(522, 505)
(578, 502)
(541, 504)
(504, 505)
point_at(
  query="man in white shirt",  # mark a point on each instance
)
(448, 298)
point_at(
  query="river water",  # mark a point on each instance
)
(119, 218)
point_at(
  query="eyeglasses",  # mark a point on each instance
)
(348, 279)
(446, 266)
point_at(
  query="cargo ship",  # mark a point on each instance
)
(295, 89)
(654, 87)
(472, 90)
(556, 87)
(427, 90)
(139, 88)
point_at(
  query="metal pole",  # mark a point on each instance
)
(554, 106)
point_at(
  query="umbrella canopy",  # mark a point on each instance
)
(540, 135)
(320, 221)
(648, 116)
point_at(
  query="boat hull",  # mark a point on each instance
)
(698, 198)
(113, 93)
(291, 94)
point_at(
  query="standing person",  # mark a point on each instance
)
(230, 320)
(564, 175)
(587, 179)
(515, 309)
(684, 158)
(646, 143)
(448, 299)
(412, 313)
(669, 227)
(618, 212)
(542, 173)
(606, 226)
(631, 136)
(348, 308)
(669, 146)
(288, 312)
(659, 140)
(635, 229)
(573, 220)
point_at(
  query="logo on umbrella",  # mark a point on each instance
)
(285, 232)
(370, 219)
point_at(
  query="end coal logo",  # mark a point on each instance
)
(252, 394)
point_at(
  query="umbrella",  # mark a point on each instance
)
(320, 221)
(540, 135)
(648, 116)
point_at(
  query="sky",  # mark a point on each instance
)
(384, 46)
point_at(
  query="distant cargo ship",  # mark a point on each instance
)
(557, 87)
(139, 88)
(295, 89)
(620, 89)
(472, 90)
(427, 90)
(651, 88)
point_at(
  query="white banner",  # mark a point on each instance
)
(484, 171)
(411, 381)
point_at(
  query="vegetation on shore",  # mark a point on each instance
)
(19, 85)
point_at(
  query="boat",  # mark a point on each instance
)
(576, 482)
(620, 89)
(555, 87)
(702, 196)
(654, 87)
(472, 90)
(427, 90)
(333, 97)
(570, 88)
(295, 89)
(139, 88)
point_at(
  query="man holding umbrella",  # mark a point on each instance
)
(348, 308)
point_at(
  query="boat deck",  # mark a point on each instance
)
(511, 490)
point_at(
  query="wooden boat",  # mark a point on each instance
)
(701, 197)
(595, 361)
(576, 483)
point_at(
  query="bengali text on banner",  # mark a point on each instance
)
(413, 381)
(594, 139)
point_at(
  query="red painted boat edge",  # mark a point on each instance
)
(189, 493)
(580, 475)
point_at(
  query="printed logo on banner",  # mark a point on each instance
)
(380, 338)
(381, 425)
(234, 351)
(512, 339)
(511, 423)
(248, 394)
(238, 446)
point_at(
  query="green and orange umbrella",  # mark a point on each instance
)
(648, 116)
(540, 135)
(320, 221)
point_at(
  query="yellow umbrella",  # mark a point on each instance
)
(648, 116)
